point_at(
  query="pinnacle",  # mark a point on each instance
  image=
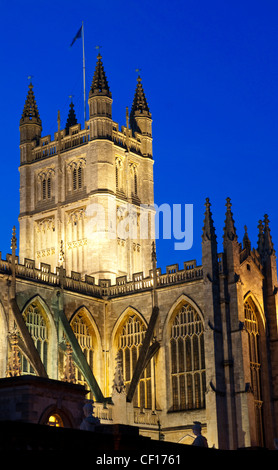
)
(229, 228)
(267, 242)
(246, 240)
(139, 102)
(260, 237)
(30, 112)
(71, 121)
(99, 84)
(208, 229)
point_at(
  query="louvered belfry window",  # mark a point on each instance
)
(130, 341)
(187, 355)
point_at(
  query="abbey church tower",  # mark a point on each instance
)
(86, 197)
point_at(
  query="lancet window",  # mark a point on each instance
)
(252, 328)
(76, 174)
(130, 341)
(187, 360)
(45, 182)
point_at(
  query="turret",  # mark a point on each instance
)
(100, 104)
(30, 127)
(141, 119)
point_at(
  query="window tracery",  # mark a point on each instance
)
(130, 340)
(252, 328)
(35, 320)
(85, 337)
(187, 360)
(75, 169)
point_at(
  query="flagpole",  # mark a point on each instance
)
(84, 82)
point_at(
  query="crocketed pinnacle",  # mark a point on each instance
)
(71, 121)
(246, 240)
(268, 248)
(99, 84)
(208, 228)
(139, 105)
(30, 112)
(229, 228)
(260, 237)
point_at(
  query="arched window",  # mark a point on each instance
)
(130, 340)
(55, 420)
(84, 334)
(252, 328)
(187, 360)
(35, 320)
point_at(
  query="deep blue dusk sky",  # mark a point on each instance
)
(210, 74)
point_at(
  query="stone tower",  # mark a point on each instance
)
(90, 189)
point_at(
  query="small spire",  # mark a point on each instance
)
(72, 120)
(139, 105)
(246, 240)
(260, 237)
(99, 84)
(268, 248)
(208, 228)
(30, 112)
(229, 228)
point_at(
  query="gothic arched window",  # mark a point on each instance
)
(35, 320)
(187, 360)
(130, 340)
(83, 332)
(252, 328)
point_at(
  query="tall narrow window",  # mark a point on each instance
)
(46, 188)
(135, 183)
(49, 188)
(74, 179)
(130, 341)
(35, 321)
(83, 332)
(117, 178)
(187, 360)
(79, 177)
(252, 328)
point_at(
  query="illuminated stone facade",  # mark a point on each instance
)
(155, 350)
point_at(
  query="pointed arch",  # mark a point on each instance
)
(184, 341)
(87, 334)
(126, 339)
(250, 296)
(42, 329)
(256, 361)
(181, 300)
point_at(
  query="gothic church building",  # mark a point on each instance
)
(84, 302)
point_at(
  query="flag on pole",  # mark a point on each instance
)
(77, 36)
